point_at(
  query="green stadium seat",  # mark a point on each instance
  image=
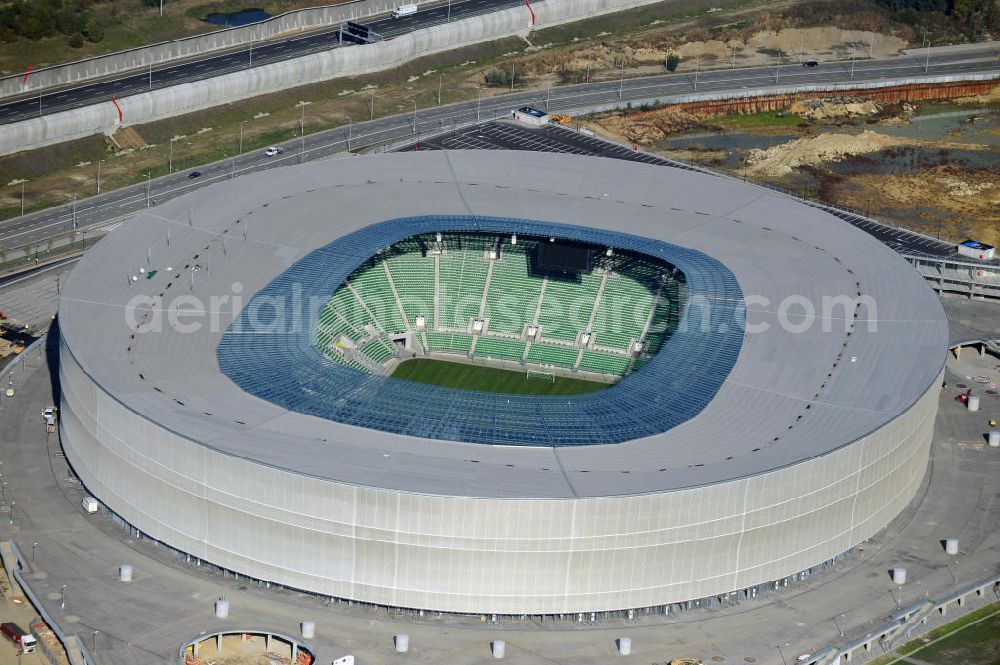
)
(513, 296)
(462, 280)
(447, 342)
(604, 362)
(548, 354)
(567, 305)
(413, 276)
(494, 347)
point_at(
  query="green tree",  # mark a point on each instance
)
(75, 40)
(672, 61)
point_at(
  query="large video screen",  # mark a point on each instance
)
(564, 256)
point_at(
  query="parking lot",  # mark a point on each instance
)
(504, 135)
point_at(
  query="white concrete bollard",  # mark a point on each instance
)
(625, 646)
(499, 648)
(402, 642)
(125, 573)
(899, 575)
(221, 608)
(951, 546)
(308, 629)
(994, 439)
(973, 402)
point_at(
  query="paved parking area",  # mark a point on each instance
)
(503, 135)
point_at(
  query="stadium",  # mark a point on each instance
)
(499, 382)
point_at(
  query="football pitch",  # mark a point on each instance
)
(490, 379)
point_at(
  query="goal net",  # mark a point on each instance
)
(538, 374)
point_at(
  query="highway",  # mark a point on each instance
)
(228, 61)
(97, 212)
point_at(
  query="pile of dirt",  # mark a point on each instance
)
(127, 137)
(782, 159)
(833, 108)
(651, 127)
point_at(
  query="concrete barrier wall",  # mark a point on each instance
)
(155, 54)
(347, 61)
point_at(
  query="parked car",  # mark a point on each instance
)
(809, 63)
(271, 151)
(194, 174)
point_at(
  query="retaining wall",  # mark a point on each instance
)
(346, 61)
(144, 56)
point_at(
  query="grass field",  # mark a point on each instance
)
(972, 640)
(490, 379)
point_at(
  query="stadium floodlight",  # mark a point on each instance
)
(585, 338)
(494, 254)
(532, 332)
(421, 323)
(477, 325)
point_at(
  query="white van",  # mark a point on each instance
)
(404, 10)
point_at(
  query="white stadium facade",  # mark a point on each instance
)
(736, 457)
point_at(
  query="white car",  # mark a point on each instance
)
(271, 151)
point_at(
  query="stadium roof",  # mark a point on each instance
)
(791, 395)
(285, 367)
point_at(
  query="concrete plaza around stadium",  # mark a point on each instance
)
(815, 440)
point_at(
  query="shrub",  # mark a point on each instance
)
(496, 78)
(75, 40)
(94, 31)
(672, 61)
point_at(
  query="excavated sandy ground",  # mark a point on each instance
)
(649, 54)
(947, 199)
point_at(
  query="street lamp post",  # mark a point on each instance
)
(621, 82)
(302, 129)
(34, 546)
(349, 132)
(74, 212)
(62, 597)
(22, 196)
(927, 47)
(12, 504)
(854, 53)
(414, 115)
(371, 115)
(99, 162)
(440, 79)
(242, 122)
(479, 100)
(148, 176)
